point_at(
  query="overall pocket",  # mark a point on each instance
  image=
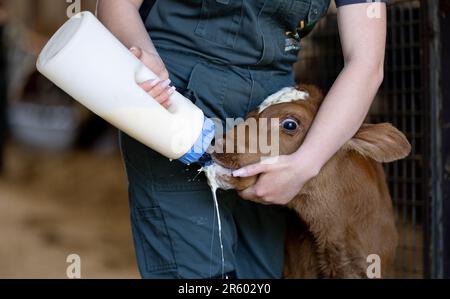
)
(220, 21)
(293, 12)
(173, 222)
(221, 92)
(304, 13)
(319, 9)
(296, 16)
(153, 244)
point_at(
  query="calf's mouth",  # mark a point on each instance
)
(224, 165)
(223, 161)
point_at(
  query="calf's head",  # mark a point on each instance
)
(290, 114)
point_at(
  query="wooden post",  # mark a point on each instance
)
(445, 131)
(438, 75)
(3, 95)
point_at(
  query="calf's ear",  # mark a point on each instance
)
(381, 142)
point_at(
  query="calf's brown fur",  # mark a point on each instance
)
(345, 213)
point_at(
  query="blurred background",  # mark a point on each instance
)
(62, 183)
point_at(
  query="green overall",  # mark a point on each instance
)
(231, 54)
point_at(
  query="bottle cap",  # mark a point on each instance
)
(202, 144)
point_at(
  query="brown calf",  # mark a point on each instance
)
(346, 211)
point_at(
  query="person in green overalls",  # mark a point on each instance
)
(230, 55)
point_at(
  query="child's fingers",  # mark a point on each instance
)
(160, 90)
(151, 60)
(164, 99)
(166, 104)
(149, 85)
(165, 96)
(156, 89)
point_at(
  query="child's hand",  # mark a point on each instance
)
(160, 90)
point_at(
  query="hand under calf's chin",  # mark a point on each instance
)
(222, 178)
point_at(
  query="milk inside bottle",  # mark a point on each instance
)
(85, 60)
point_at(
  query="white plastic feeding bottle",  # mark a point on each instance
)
(85, 60)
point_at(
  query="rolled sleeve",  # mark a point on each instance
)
(347, 2)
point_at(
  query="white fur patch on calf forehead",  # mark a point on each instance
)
(286, 95)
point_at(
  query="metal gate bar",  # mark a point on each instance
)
(402, 104)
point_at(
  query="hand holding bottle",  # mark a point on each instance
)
(159, 89)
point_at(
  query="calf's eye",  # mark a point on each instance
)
(289, 125)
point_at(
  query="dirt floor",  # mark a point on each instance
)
(52, 206)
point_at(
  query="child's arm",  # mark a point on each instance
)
(122, 18)
(341, 114)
